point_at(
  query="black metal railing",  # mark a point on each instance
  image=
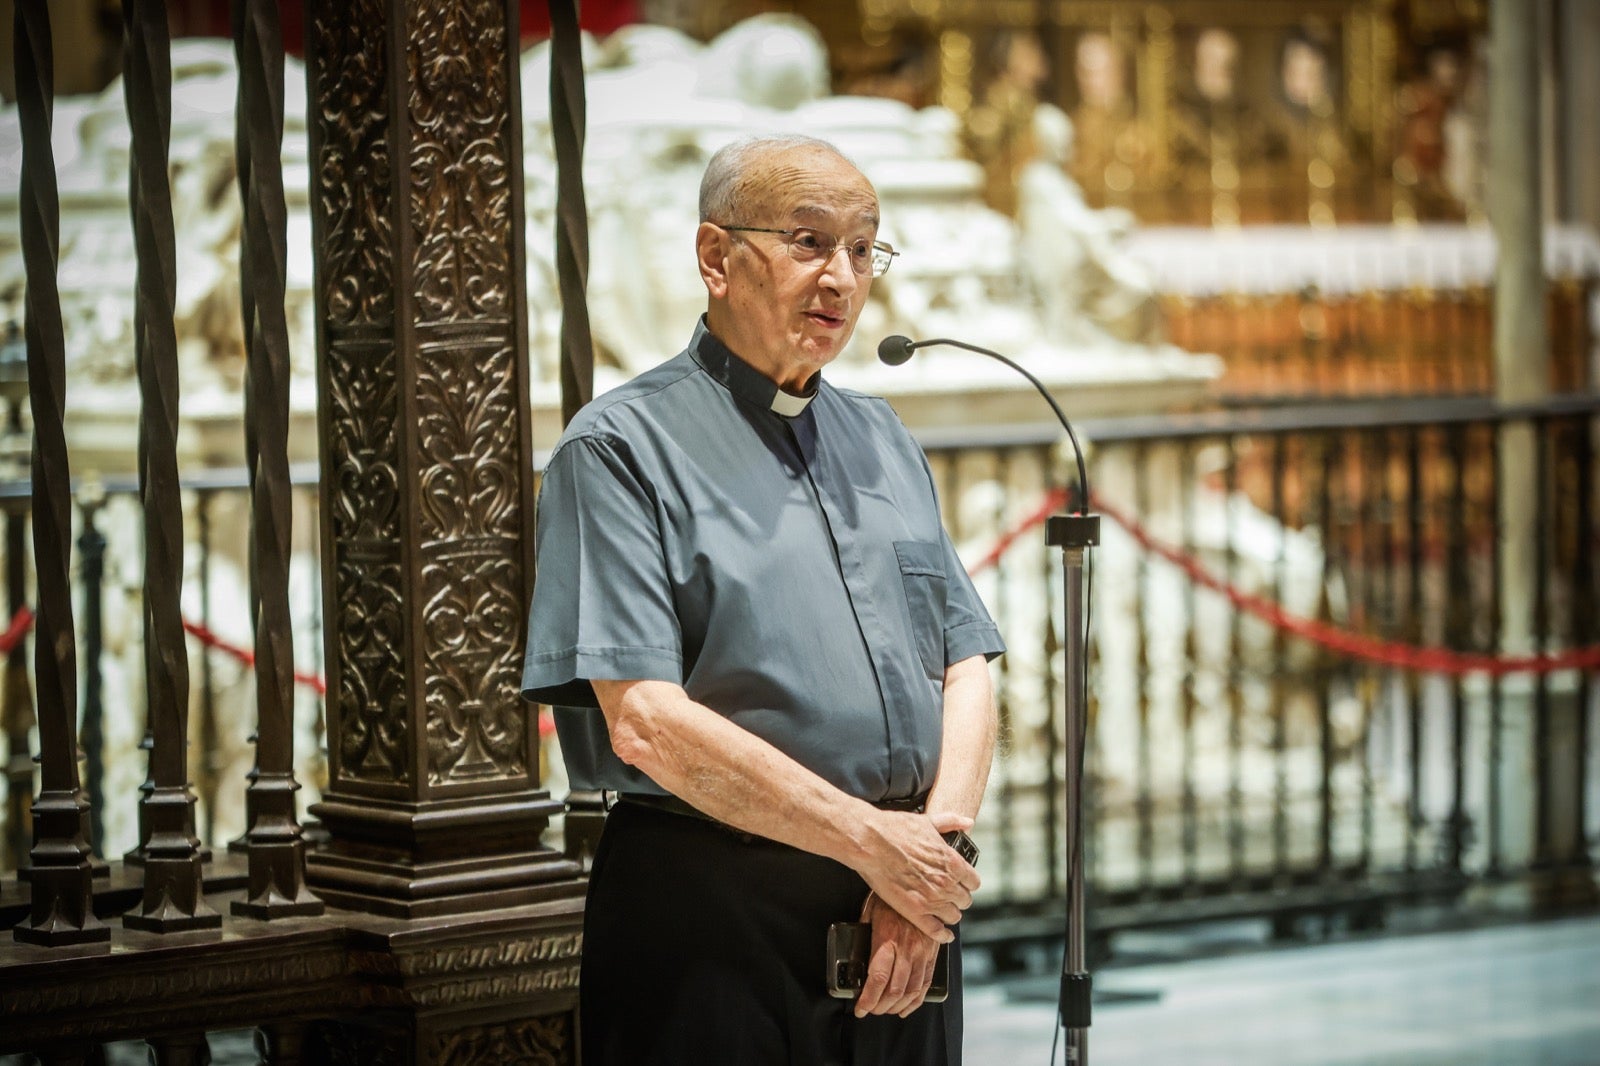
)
(219, 648)
(222, 860)
(1237, 765)
(1298, 617)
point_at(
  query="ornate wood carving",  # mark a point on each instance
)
(524, 951)
(460, 160)
(498, 986)
(216, 976)
(361, 388)
(370, 695)
(472, 583)
(470, 499)
(426, 454)
(534, 1041)
(353, 165)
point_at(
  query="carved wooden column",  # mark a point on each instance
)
(433, 801)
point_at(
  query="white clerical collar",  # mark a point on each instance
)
(744, 380)
(789, 405)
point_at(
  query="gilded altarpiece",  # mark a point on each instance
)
(433, 802)
(1211, 112)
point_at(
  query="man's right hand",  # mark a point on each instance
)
(913, 870)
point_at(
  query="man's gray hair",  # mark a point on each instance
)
(720, 188)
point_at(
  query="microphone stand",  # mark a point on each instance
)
(1074, 534)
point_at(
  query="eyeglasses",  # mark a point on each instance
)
(806, 245)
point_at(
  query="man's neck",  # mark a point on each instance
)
(791, 375)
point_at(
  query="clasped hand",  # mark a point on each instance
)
(920, 887)
(900, 966)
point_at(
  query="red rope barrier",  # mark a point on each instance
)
(245, 655)
(1357, 645)
(1054, 500)
(21, 622)
(1345, 642)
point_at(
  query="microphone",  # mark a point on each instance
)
(895, 349)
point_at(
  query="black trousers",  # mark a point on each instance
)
(707, 947)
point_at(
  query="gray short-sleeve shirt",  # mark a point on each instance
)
(779, 557)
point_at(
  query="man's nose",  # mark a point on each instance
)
(839, 271)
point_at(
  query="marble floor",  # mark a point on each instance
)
(1508, 995)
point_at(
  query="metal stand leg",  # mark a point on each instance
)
(1074, 534)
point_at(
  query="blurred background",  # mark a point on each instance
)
(1334, 360)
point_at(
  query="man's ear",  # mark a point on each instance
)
(711, 248)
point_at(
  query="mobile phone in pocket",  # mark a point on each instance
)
(850, 947)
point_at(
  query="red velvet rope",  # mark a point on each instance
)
(21, 622)
(245, 655)
(1344, 641)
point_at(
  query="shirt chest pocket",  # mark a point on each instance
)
(922, 575)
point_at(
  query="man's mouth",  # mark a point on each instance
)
(826, 318)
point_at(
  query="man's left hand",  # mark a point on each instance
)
(900, 967)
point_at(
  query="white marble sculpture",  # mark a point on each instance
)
(1085, 284)
(659, 105)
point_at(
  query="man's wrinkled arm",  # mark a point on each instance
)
(737, 778)
(901, 965)
(970, 727)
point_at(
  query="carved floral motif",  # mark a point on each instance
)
(470, 498)
(536, 1041)
(352, 167)
(361, 389)
(472, 581)
(364, 509)
(460, 151)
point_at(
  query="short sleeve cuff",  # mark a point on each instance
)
(563, 677)
(972, 638)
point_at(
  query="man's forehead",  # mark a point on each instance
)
(848, 214)
(814, 185)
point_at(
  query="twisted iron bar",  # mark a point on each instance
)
(62, 909)
(586, 809)
(277, 853)
(173, 893)
(16, 689)
(92, 563)
(567, 121)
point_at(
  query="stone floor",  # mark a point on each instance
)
(1509, 995)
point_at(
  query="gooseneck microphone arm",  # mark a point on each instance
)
(896, 349)
(1074, 534)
